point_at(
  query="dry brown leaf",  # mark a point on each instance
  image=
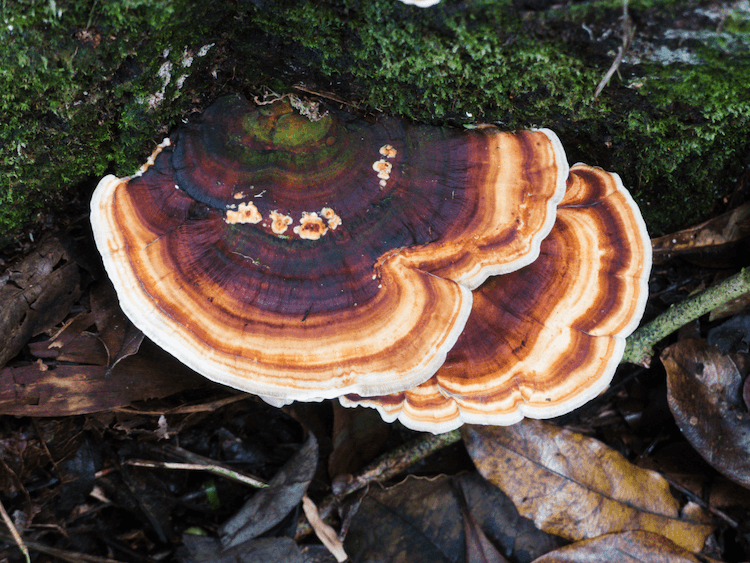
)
(269, 506)
(627, 546)
(575, 486)
(731, 308)
(704, 390)
(38, 390)
(36, 294)
(326, 534)
(358, 437)
(711, 243)
(71, 329)
(420, 521)
(87, 349)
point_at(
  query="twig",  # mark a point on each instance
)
(302, 88)
(627, 36)
(13, 532)
(187, 409)
(399, 460)
(213, 468)
(382, 469)
(65, 555)
(639, 348)
(698, 500)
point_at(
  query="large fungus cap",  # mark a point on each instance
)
(301, 260)
(545, 339)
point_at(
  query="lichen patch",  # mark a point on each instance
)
(280, 222)
(383, 168)
(246, 213)
(388, 151)
(311, 226)
(331, 217)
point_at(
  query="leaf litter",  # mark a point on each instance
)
(86, 400)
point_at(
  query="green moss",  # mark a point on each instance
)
(75, 80)
(438, 64)
(83, 88)
(690, 137)
(675, 140)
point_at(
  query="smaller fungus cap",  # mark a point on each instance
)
(300, 260)
(421, 3)
(545, 339)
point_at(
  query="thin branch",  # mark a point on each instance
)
(65, 555)
(698, 500)
(400, 459)
(628, 31)
(639, 348)
(197, 462)
(14, 532)
(382, 469)
(214, 469)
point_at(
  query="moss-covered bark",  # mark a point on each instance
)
(89, 86)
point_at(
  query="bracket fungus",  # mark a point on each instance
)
(545, 339)
(303, 260)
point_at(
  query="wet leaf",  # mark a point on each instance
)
(575, 486)
(129, 346)
(479, 548)
(712, 243)
(35, 295)
(151, 495)
(78, 474)
(627, 546)
(203, 549)
(269, 506)
(71, 330)
(704, 390)
(312, 553)
(683, 466)
(111, 322)
(87, 349)
(358, 437)
(38, 390)
(420, 520)
(732, 335)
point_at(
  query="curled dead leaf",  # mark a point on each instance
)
(36, 295)
(704, 390)
(627, 546)
(420, 520)
(269, 506)
(711, 243)
(577, 487)
(326, 534)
